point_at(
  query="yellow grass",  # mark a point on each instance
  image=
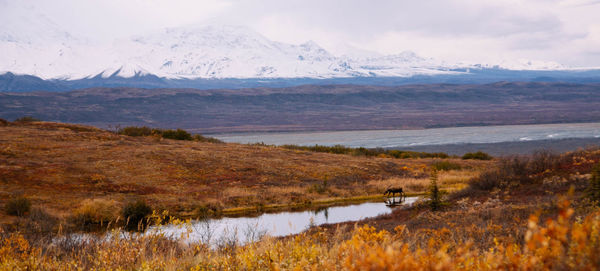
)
(447, 180)
(98, 210)
(456, 179)
(557, 244)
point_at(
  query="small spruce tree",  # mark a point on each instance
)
(435, 197)
(594, 188)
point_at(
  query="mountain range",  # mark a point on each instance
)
(45, 57)
(39, 55)
(222, 51)
(189, 52)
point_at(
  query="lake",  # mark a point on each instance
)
(423, 137)
(246, 229)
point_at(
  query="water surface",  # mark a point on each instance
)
(436, 136)
(244, 229)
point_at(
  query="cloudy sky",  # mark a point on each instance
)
(489, 31)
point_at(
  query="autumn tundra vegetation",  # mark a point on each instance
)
(534, 212)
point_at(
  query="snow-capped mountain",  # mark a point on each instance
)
(46, 51)
(224, 51)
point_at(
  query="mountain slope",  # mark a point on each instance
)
(314, 107)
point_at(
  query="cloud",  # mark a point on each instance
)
(447, 29)
(484, 31)
(107, 19)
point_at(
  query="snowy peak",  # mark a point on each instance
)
(311, 51)
(223, 51)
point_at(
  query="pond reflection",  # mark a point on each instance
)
(395, 201)
(245, 229)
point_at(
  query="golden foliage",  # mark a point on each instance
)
(558, 244)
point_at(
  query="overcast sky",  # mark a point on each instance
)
(567, 32)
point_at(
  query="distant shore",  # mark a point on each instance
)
(508, 148)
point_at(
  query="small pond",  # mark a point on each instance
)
(245, 229)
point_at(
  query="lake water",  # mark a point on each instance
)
(245, 229)
(436, 136)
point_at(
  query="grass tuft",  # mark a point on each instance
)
(95, 212)
(477, 156)
(26, 119)
(178, 134)
(17, 206)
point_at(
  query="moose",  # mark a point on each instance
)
(393, 191)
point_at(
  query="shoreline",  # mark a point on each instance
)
(408, 128)
(253, 211)
(509, 147)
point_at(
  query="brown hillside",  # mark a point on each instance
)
(58, 166)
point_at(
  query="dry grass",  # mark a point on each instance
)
(449, 180)
(527, 226)
(410, 185)
(97, 211)
(456, 179)
(60, 165)
(287, 190)
(236, 192)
